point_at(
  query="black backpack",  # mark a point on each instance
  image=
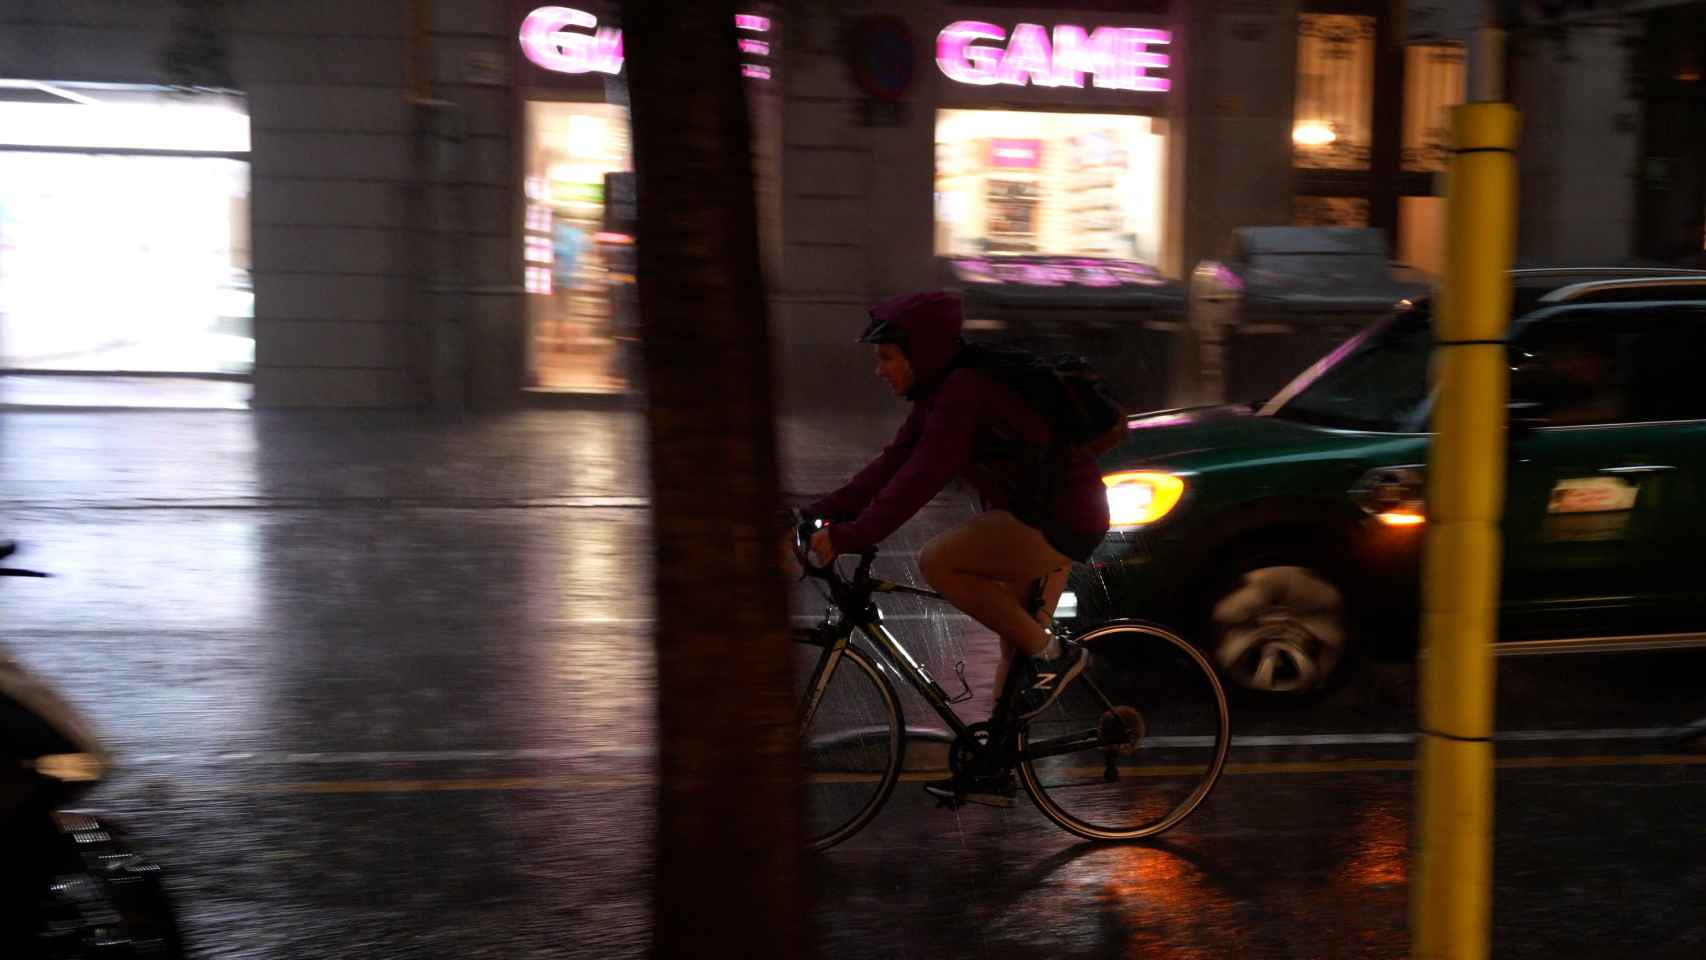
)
(1080, 406)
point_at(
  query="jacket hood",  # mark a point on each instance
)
(932, 321)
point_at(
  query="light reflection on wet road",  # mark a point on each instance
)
(382, 687)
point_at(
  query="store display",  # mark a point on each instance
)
(573, 148)
(1012, 215)
(1093, 194)
(1012, 183)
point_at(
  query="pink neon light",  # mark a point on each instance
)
(961, 60)
(1043, 275)
(1057, 271)
(1118, 58)
(1163, 420)
(1125, 51)
(547, 41)
(1028, 58)
(1073, 56)
(754, 71)
(1094, 276)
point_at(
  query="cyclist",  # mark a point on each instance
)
(1041, 509)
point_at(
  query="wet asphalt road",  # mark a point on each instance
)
(380, 688)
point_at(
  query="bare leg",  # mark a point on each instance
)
(986, 567)
(1052, 590)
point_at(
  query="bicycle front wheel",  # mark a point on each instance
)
(1135, 744)
(851, 745)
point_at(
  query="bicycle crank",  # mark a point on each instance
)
(966, 751)
(1121, 732)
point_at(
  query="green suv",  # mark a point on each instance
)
(1286, 535)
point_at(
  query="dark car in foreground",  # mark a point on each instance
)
(1287, 535)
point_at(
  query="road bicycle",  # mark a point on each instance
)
(1129, 750)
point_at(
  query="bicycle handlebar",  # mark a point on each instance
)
(803, 532)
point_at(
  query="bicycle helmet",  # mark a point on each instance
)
(883, 329)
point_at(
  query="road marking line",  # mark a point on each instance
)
(320, 504)
(387, 756)
(570, 783)
(294, 757)
(440, 785)
(1369, 739)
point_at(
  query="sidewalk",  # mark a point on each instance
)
(114, 457)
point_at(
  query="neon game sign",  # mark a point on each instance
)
(566, 40)
(1116, 58)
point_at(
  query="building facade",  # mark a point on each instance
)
(428, 202)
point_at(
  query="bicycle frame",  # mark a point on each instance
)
(894, 655)
(852, 600)
(898, 658)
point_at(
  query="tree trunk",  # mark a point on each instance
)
(728, 805)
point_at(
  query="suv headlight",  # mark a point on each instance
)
(1137, 497)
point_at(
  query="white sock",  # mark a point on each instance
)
(1051, 651)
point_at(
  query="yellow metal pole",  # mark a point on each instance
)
(1451, 913)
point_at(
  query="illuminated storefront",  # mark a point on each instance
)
(1080, 174)
(1082, 184)
(573, 151)
(577, 237)
(124, 228)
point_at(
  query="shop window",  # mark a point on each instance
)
(1331, 212)
(124, 236)
(1434, 79)
(1074, 184)
(1333, 126)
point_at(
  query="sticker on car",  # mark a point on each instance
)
(1592, 495)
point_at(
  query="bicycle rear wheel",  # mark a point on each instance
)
(1134, 745)
(853, 744)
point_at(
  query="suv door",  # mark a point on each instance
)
(1602, 514)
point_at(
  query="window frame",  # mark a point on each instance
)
(1386, 180)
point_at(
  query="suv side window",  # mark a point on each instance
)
(1666, 365)
(1567, 369)
(1612, 364)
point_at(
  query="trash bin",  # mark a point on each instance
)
(1120, 314)
(1283, 299)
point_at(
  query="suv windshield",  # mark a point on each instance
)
(1377, 380)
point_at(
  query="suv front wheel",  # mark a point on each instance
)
(1279, 627)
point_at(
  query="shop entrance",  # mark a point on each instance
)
(124, 246)
(577, 252)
